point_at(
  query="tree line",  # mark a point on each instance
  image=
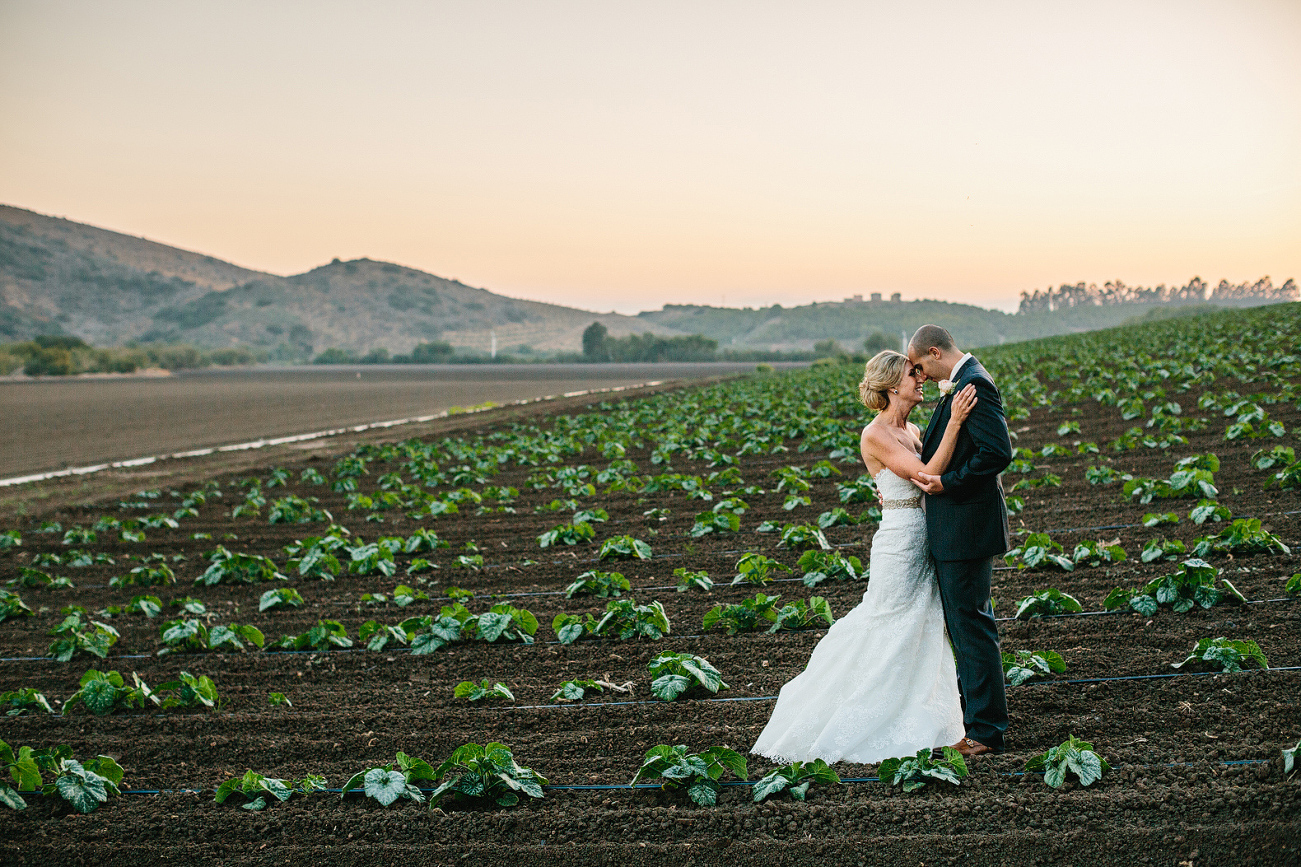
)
(1195, 291)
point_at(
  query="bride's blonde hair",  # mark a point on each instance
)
(883, 372)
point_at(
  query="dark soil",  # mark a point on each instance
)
(1198, 776)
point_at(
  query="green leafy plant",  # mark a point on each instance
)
(1278, 456)
(75, 635)
(276, 699)
(229, 568)
(699, 773)
(795, 779)
(325, 635)
(256, 789)
(574, 690)
(1243, 536)
(24, 772)
(1046, 602)
(623, 618)
(186, 691)
(1209, 510)
(1023, 665)
(10, 539)
(1157, 519)
(296, 510)
(801, 537)
(20, 701)
(388, 783)
(1072, 756)
(1161, 548)
(596, 583)
(567, 534)
(913, 772)
(1293, 585)
(756, 569)
(715, 522)
(624, 548)
(744, 616)
(377, 636)
(487, 773)
(1224, 654)
(675, 673)
(281, 597)
(1193, 583)
(192, 635)
(687, 579)
(103, 692)
(468, 689)
(12, 605)
(83, 786)
(1037, 550)
(1090, 553)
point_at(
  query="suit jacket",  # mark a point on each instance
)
(968, 521)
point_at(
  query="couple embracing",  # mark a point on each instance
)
(883, 682)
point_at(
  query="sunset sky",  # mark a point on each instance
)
(620, 155)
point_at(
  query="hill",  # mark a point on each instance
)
(62, 277)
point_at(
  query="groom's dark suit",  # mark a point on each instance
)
(967, 527)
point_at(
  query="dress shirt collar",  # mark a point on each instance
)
(953, 374)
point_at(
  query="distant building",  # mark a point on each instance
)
(896, 297)
(876, 296)
(854, 299)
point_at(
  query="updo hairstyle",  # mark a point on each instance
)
(883, 372)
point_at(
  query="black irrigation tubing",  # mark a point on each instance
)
(615, 787)
(774, 698)
(684, 637)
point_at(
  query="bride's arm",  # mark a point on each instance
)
(901, 461)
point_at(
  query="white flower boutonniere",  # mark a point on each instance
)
(946, 387)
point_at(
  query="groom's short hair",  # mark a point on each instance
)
(931, 335)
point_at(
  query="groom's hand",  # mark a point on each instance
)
(931, 484)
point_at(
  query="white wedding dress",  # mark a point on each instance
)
(881, 682)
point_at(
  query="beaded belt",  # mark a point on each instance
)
(909, 503)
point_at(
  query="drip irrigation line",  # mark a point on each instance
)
(616, 787)
(774, 698)
(339, 650)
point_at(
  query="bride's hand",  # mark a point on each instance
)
(963, 402)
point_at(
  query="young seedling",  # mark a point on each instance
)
(103, 692)
(596, 583)
(567, 534)
(1023, 665)
(822, 566)
(281, 597)
(687, 579)
(623, 618)
(794, 779)
(1193, 583)
(468, 689)
(1224, 654)
(20, 701)
(12, 605)
(1089, 553)
(756, 569)
(574, 690)
(24, 772)
(1039, 550)
(487, 773)
(325, 635)
(913, 772)
(276, 699)
(388, 783)
(801, 537)
(675, 673)
(84, 786)
(193, 635)
(1072, 756)
(1046, 602)
(74, 635)
(230, 568)
(698, 773)
(624, 548)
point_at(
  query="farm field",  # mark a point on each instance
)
(1197, 773)
(51, 423)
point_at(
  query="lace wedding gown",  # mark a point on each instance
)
(882, 681)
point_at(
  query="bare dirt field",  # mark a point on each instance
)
(47, 424)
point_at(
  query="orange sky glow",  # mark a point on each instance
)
(628, 155)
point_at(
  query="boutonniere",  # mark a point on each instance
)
(946, 387)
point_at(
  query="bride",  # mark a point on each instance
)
(882, 682)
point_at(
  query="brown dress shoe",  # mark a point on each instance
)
(970, 749)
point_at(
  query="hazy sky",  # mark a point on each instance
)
(619, 155)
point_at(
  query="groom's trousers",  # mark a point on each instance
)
(964, 590)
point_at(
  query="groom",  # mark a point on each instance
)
(966, 523)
